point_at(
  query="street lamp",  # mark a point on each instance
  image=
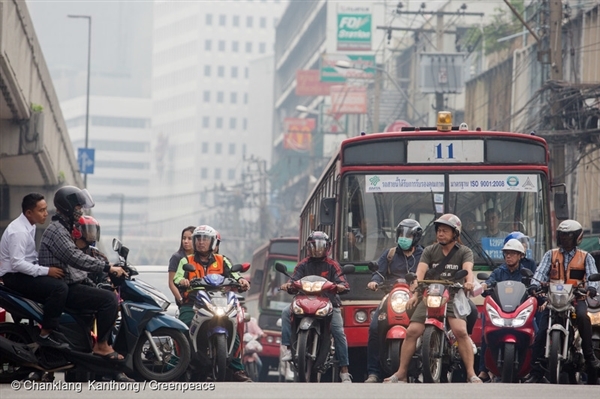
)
(347, 65)
(121, 197)
(87, 99)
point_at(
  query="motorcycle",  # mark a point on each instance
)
(563, 343)
(218, 318)
(313, 349)
(439, 348)
(154, 344)
(393, 320)
(250, 358)
(509, 327)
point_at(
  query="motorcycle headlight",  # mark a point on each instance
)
(398, 301)
(434, 301)
(324, 311)
(494, 316)
(312, 286)
(522, 317)
(297, 309)
(360, 316)
(219, 310)
(559, 300)
(594, 318)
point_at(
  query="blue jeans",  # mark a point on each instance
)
(337, 330)
(373, 366)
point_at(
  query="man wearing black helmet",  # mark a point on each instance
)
(318, 263)
(394, 264)
(58, 248)
(431, 266)
(570, 265)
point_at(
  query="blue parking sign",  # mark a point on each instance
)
(85, 159)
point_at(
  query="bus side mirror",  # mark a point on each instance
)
(327, 212)
(561, 206)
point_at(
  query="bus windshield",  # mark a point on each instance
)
(490, 205)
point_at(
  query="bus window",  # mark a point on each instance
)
(274, 299)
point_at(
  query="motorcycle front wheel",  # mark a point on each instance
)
(9, 370)
(305, 360)
(433, 341)
(554, 364)
(174, 349)
(508, 362)
(218, 350)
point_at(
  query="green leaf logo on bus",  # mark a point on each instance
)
(374, 180)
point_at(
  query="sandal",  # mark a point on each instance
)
(394, 380)
(475, 380)
(113, 357)
(485, 377)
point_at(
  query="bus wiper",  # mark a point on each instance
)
(479, 250)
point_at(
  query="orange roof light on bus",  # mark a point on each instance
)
(444, 121)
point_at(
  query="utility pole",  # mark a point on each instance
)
(439, 96)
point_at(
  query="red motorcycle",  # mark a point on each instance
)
(312, 343)
(508, 328)
(439, 349)
(392, 321)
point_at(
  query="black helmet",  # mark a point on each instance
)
(68, 197)
(318, 244)
(409, 228)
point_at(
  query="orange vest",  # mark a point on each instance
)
(577, 265)
(215, 268)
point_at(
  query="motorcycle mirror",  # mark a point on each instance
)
(281, 268)
(373, 266)
(236, 268)
(594, 277)
(245, 267)
(460, 274)
(123, 251)
(410, 277)
(483, 276)
(188, 268)
(348, 269)
(526, 273)
(116, 245)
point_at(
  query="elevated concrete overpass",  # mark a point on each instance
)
(35, 149)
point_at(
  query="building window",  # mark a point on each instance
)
(221, 45)
(221, 71)
(217, 173)
(236, 20)
(231, 174)
(263, 22)
(204, 173)
(219, 123)
(205, 121)
(248, 47)
(233, 97)
(222, 20)
(208, 19)
(218, 148)
(235, 46)
(220, 97)
(231, 148)
(206, 70)
(249, 22)
(245, 98)
(234, 72)
(232, 123)
(206, 96)
(204, 147)
(262, 48)
(245, 124)
(246, 72)
(207, 45)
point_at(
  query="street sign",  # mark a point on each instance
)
(85, 159)
(354, 28)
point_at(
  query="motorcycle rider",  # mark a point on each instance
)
(318, 263)
(394, 264)
(524, 240)
(448, 228)
(57, 248)
(566, 264)
(21, 272)
(513, 252)
(206, 261)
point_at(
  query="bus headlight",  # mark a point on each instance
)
(360, 316)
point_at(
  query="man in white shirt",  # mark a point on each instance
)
(20, 271)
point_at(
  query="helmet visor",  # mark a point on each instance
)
(318, 248)
(82, 198)
(91, 232)
(405, 231)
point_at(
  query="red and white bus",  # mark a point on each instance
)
(374, 181)
(264, 300)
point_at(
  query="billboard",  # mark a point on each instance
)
(348, 99)
(298, 133)
(362, 66)
(442, 72)
(354, 28)
(308, 83)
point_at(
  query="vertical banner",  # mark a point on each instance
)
(298, 133)
(354, 27)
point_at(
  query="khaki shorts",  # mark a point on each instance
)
(420, 313)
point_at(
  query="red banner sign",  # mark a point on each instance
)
(308, 83)
(298, 133)
(348, 100)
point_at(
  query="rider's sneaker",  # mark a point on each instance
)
(345, 377)
(241, 376)
(373, 378)
(286, 355)
(52, 341)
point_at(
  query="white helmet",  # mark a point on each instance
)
(571, 228)
(206, 231)
(514, 245)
